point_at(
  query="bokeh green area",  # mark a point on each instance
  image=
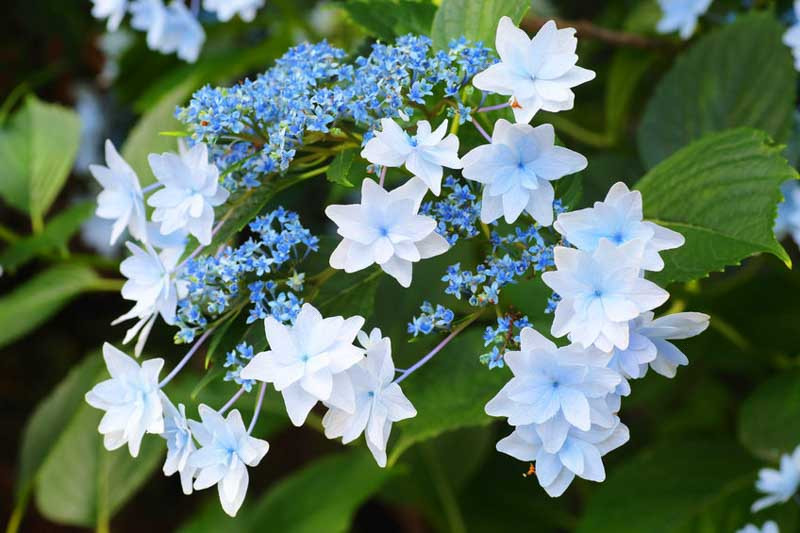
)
(697, 440)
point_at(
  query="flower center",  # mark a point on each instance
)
(617, 237)
(598, 293)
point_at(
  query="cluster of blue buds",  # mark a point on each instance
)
(213, 282)
(264, 122)
(235, 360)
(456, 214)
(502, 338)
(431, 318)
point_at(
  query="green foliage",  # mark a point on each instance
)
(739, 75)
(32, 303)
(76, 481)
(668, 488)
(769, 420)
(302, 502)
(388, 19)
(341, 168)
(476, 21)
(721, 193)
(54, 238)
(37, 151)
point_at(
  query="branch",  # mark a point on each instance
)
(587, 30)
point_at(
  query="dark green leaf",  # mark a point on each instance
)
(709, 89)
(721, 193)
(477, 21)
(341, 168)
(388, 19)
(769, 420)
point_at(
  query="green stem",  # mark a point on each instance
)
(15, 520)
(8, 235)
(579, 133)
(107, 285)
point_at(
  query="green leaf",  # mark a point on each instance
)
(36, 154)
(32, 303)
(723, 81)
(302, 502)
(349, 294)
(341, 168)
(449, 392)
(76, 481)
(54, 237)
(667, 489)
(388, 19)
(721, 193)
(769, 420)
(476, 21)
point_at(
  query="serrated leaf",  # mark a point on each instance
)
(35, 301)
(477, 21)
(388, 19)
(37, 151)
(342, 167)
(723, 81)
(449, 392)
(769, 419)
(56, 235)
(302, 502)
(668, 488)
(721, 193)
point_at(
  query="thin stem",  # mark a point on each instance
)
(438, 347)
(382, 176)
(480, 129)
(493, 107)
(587, 30)
(151, 187)
(232, 400)
(107, 285)
(185, 359)
(8, 235)
(258, 408)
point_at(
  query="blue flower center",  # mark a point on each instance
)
(304, 358)
(556, 384)
(371, 394)
(384, 231)
(598, 293)
(617, 237)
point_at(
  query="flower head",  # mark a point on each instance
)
(385, 229)
(170, 29)
(226, 449)
(131, 400)
(179, 443)
(226, 9)
(600, 293)
(121, 199)
(618, 219)
(191, 191)
(537, 73)
(306, 361)
(113, 10)
(778, 485)
(378, 401)
(663, 329)
(424, 154)
(516, 170)
(681, 15)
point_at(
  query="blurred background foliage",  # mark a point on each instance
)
(696, 441)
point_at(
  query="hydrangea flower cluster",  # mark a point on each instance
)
(172, 28)
(279, 244)
(562, 402)
(502, 338)
(312, 90)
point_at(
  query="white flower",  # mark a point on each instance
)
(131, 400)
(171, 29)
(113, 10)
(385, 229)
(151, 284)
(307, 361)
(378, 401)
(190, 193)
(516, 170)
(681, 15)
(670, 327)
(368, 341)
(792, 36)
(788, 221)
(537, 73)
(768, 527)
(226, 9)
(424, 154)
(618, 219)
(175, 241)
(600, 293)
(551, 382)
(179, 443)
(778, 485)
(121, 199)
(226, 449)
(581, 454)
